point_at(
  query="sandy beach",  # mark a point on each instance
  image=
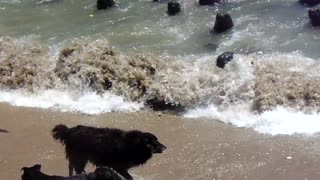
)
(66, 62)
(197, 148)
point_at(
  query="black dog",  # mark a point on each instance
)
(104, 173)
(101, 173)
(113, 148)
(34, 173)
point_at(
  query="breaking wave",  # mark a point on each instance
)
(279, 120)
(266, 92)
(88, 103)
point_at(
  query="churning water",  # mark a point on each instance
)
(64, 54)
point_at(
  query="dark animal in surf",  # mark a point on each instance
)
(115, 148)
(101, 173)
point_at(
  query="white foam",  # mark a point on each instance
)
(278, 121)
(88, 103)
(10, 1)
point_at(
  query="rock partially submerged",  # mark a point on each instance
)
(158, 103)
(173, 8)
(223, 23)
(104, 4)
(314, 15)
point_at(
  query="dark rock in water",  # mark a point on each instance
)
(224, 58)
(159, 104)
(104, 4)
(107, 84)
(173, 8)
(208, 2)
(314, 15)
(223, 23)
(310, 2)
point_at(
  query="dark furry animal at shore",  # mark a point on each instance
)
(101, 173)
(104, 173)
(115, 148)
(34, 173)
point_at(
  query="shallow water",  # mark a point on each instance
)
(268, 26)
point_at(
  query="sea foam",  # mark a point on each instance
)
(280, 120)
(88, 103)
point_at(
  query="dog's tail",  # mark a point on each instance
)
(60, 132)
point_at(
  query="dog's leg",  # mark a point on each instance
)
(70, 169)
(80, 165)
(125, 174)
(77, 162)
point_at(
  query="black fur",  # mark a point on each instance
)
(104, 173)
(101, 173)
(34, 173)
(109, 147)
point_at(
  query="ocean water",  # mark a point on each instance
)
(66, 55)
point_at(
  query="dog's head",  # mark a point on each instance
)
(30, 172)
(102, 173)
(152, 143)
(144, 141)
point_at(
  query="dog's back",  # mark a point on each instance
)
(84, 134)
(84, 140)
(101, 146)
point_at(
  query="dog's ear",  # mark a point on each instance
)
(37, 167)
(149, 140)
(149, 137)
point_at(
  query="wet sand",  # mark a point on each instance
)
(197, 148)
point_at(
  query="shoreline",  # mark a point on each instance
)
(197, 148)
